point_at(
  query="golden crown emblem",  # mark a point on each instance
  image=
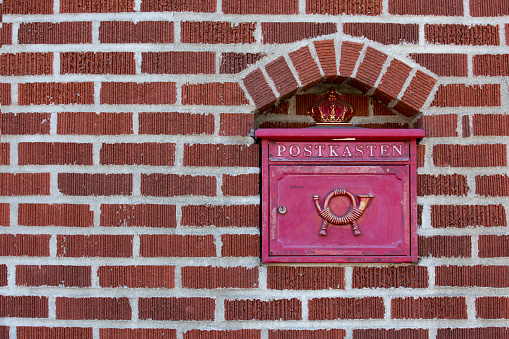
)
(332, 111)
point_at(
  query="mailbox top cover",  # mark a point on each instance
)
(339, 195)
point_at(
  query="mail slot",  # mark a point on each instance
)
(339, 194)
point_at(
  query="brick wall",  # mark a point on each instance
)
(129, 177)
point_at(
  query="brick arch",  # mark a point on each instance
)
(394, 80)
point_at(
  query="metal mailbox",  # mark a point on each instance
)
(339, 194)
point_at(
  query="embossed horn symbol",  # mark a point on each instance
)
(354, 212)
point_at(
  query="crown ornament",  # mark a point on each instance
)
(332, 111)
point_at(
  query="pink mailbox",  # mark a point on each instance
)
(339, 194)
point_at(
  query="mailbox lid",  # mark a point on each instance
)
(385, 223)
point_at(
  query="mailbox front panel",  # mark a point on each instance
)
(296, 222)
(339, 195)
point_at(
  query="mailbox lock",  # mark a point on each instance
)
(282, 210)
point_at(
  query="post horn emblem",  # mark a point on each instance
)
(354, 212)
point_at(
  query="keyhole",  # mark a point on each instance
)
(282, 210)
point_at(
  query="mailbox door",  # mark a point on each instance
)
(296, 223)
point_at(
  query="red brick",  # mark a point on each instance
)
(493, 246)
(236, 124)
(416, 94)
(171, 185)
(97, 63)
(4, 332)
(222, 334)
(137, 276)
(95, 245)
(496, 185)
(55, 215)
(461, 95)
(427, 7)
(93, 308)
(280, 73)
(468, 276)
(54, 153)
(127, 32)
(488, 124)
(241, 185)
(346, 308)
(285, 124)
(467, 215)
(350, 53)
(53, 275)
(443, 125)
(444, 65)
(491, 65)
(90, 123)
(221, 155)
(221, 215)
(414, 333)
(31, 245)
(326, 53)
(215, 93)
(384, 33)
(489, 8)
(233, 63)
(369, 70)
(465, 122)
(492, 307)
(5, 94)
(23, 306)
(5, 215)
(176, 123)
(208, 277)
(305, 278)
(54, 332)
(217, 32)
(144, 215)
(96, 6)
(240, 245)
(5, 152)
(5, 34)
(12, 184)
(380, 109)
(142, 333)
(455, 34)
(259, 90)
(256, 309)
(178, 6)
(178, 63)
(177, 309)
(306, 67)
(453, 184)
(83, 184)
(387, 125)
(390, 277)
(132, 93)
(473, 333)
(149, 153)
(369, 7)
(3, 275)
(305, 102)
(27, 7)
(55, 33)
(25, 123)
(260, 7)
(421, 152)
(445, 246)
(43, 93)
(484, 155)
(175, 245)
(286, 32)
(26, 64)
(281, 108)
(429, 308)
